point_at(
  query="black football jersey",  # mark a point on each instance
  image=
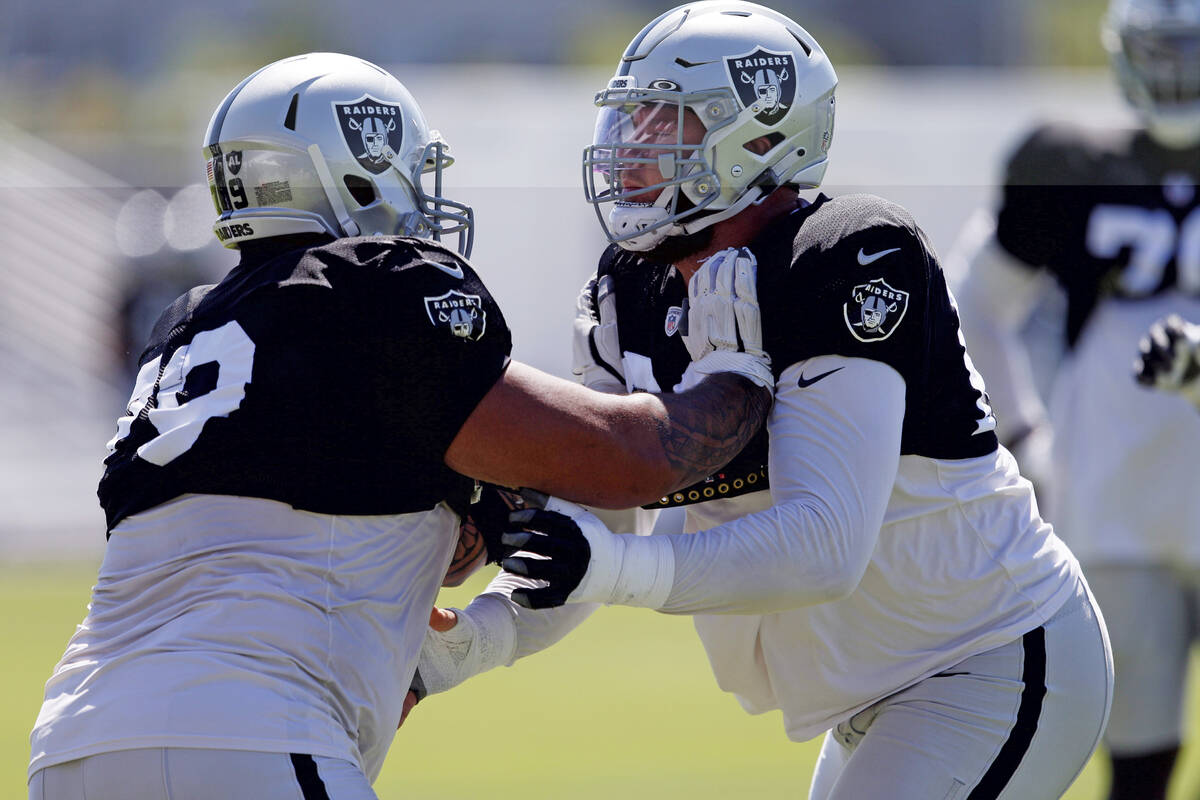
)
(331, 378)
(852, 276)
(1111, 215)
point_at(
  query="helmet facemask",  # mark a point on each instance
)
(1155, 49)
(650, 159)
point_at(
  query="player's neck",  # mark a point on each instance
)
(740, 229)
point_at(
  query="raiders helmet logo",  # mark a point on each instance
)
(765, 81)
(462, 313)
(674, 315)
(875, 310)
(372, 131)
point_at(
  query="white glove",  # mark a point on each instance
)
(724, 331)
(1169, 358)
(582, 561)
(596, 344)
(484, 637)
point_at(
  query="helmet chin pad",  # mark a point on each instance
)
(625, 219)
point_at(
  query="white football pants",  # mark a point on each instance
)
(1015, 723)
(176, 773)
(1153, 615)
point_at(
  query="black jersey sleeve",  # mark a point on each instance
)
(854, 284)
(859, 279)
(421, 341)
(1046, 182)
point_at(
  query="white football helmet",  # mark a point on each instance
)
(1155, 50)
(693, 90)
(327, 143)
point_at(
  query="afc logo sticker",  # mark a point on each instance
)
(875, 310)
(372, 131)
(462, 313)
(233, 161)
(674, 316)
(764, 80)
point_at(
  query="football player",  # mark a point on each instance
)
(1112, 219)
(874, 565)
(1169, 358)
(284, 493)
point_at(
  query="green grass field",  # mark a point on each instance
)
(625, 707)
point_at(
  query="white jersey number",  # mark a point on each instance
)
(1153, 239)
(219, 362)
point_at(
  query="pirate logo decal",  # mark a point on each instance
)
(372, 130)
(875, 310)
(765, 82)
(462, 313)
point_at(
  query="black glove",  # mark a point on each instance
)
(565, 550)
(487, 517)
(1167, 356)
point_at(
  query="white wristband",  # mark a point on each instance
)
(647, 572)
(485, 637)
(754, 368)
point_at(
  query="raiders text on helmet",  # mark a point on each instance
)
(327, 143)
(1155, 50)
(726, 101)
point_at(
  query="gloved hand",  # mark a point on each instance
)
(583, 562)
(723, 329)
(1169, 358)
(482, 524)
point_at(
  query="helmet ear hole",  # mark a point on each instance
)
(764, 144)
(361, 189)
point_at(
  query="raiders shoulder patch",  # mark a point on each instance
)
(874, 310)
(462, 313)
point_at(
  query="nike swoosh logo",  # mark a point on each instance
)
(865, 259)
(453, 271)
(804, 382)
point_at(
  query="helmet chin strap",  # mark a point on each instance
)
(623, 219)
(348, 225)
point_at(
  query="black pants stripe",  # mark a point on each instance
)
(1030, 710)
(311, 785)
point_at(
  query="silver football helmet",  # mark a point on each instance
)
(1155, 50)
(714, 105)
(327, 143)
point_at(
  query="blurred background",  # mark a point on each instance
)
(104, 216)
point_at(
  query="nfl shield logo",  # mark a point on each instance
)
(765, 80)
(875, 310)
(674, 315)
(372, 131)
(462, 314)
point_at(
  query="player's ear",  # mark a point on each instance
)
(760, 145)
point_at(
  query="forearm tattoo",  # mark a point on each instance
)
(710, 424)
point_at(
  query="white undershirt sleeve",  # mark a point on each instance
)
(835, 450)
(995, 298)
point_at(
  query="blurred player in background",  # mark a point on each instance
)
(874, 566)
(284, 495)
(1169, 358)
(1112, 217)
